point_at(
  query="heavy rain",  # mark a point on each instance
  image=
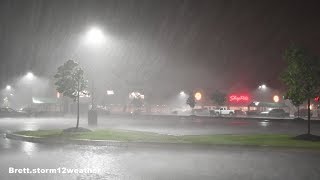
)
(152, 89)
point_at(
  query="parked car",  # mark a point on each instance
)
(303, 113)
(222, 111)
(239, 113)
(9, 112)
(253, 113)
(278, 113)
(136, 112)
(103, 111)
(29, 111)
(203, 112)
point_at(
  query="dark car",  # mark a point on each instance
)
(303, 113)
(29, 111)
(278, 113)
(253, 113)
(9, 112)
(239, 113)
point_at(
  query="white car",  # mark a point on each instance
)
(222, 111)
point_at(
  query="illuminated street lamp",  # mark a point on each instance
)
(198, 96)
(30, 76)
(276, 98)
(95, 37)
(110, 92)
(8, 87)
(182, 94)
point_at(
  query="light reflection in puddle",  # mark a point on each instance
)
(265, 123)
(90, 157)
(29, 148)
(6, 143)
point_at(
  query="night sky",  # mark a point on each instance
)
(165, 45)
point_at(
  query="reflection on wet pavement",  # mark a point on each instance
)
(158, 163)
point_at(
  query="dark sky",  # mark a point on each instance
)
(167, 45)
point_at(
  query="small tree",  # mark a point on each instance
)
(137, 101)
(219, 98)
(191, 101)
(70, 82)
(297, 98)
(301, 76)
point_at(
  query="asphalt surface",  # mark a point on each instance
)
(168, 125)
(158, 162)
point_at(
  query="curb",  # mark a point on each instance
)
(114, 143)
(95, 142)
(64, 141)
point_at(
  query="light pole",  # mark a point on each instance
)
(95, 38)
(28, 79)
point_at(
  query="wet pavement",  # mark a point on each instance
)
(196, 162)
(158, 163)
(177, 125)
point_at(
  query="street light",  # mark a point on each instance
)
(182, 94)
(110, 92)
(95, 37)
(30, 76)
(8, 87)
(198, 96)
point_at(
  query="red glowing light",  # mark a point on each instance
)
(240, 98)
(317, 99)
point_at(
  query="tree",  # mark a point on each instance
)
(297, 98)
(137, 101)
(219, 98)
(191, 101)
(301, 76)
(70, 82)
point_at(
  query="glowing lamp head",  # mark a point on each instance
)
(8, 87)
(276, 98)
(198, 96)
(30, 76)
(182, 93)
(110, 92)
(95, 36)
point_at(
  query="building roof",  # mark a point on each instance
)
(267, 104)
(37, 100)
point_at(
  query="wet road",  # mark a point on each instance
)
(158, 124)
(158, 162)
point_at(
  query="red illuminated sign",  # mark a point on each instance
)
(241, 98)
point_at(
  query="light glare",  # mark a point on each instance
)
(95, 36)
(8, 87)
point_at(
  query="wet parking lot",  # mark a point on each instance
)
(158, 162)
(161, 162)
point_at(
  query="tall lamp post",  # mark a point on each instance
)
(94, 38)
(28, 79)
